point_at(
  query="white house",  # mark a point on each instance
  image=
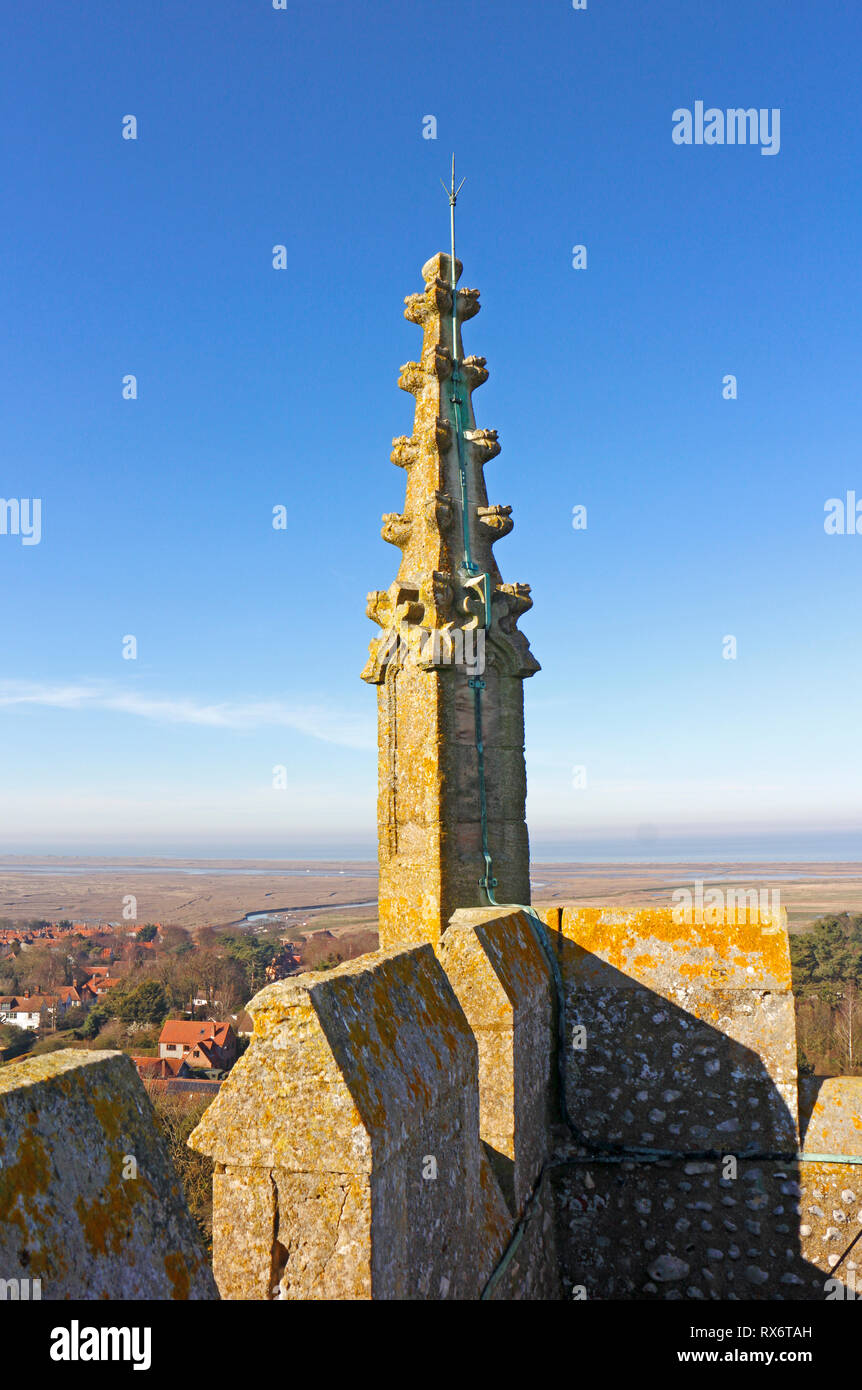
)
(28, 1010)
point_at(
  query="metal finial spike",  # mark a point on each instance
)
(456, 191)
(452, 192)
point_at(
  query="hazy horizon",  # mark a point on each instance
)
(840, 846)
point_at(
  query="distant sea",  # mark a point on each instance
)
(648, 846)
(821, 847)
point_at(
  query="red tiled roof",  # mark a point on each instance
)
(151, 1068)
(30, 1004)
(178, 1030)
(181, 1084)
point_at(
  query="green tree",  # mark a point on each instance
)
(98, 1016)
(14, 1041)
(73, 1018)
(145, 1004)
(252, 954)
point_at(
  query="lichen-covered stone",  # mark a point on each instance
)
(90, 1203)
(832, 1114)
(347, 1140)
(655, 1006)
(830, 1194)
(497, 968)
(356, 1079)
(429, 827)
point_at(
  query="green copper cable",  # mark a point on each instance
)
(487, 882)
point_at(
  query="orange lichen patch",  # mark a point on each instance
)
(107, 1219)
(835, 1125)
(30, 1176)
(687, 969)
(24, 1188)
(356, 1081)
(178, 1274)
(652, 943)
(70, 1121)
(336, 1058)
(644, 962)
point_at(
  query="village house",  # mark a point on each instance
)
(161, 1068)
(243, 1024)
(28, 1010)
(69, 996)
(200, 1001)
(208, 1045)
(100, 984)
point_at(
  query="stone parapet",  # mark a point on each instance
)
(680, 1036)
(351, 1161)
(92, 1207)
(390, 1135)
(347, 1142)
(498, 970)
(831, 1193)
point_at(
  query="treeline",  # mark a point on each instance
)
(827, 982)
(28, 923)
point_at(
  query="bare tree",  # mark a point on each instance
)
(847, 1020)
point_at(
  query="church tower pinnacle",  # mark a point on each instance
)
(450, 662)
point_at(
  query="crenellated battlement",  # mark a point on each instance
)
(397, 1128)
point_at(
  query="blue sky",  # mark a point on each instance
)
(256, 387)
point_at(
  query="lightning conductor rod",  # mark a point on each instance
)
(487, 882)
(452, 194)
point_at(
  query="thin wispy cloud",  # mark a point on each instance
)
(316, 721)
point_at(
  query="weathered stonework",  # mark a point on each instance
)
(681, 1230)
(349, 1162)
(687, 1038)
(680, 1041)
(680, 1176)
(429, 822)
(830, 1194)
(91, 1205)
(497, 969)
